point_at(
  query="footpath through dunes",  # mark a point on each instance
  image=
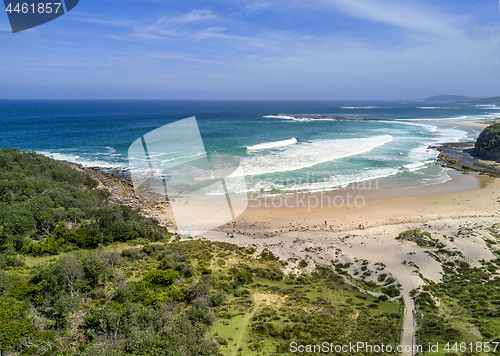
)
(375, 259)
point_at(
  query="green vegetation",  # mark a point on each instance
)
(200, 297)
(488, 142)
(82, 276)
(421, 238)
(46, 207)
(468, 309)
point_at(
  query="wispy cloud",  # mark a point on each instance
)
(193, 16)
(173, 26)
(107, 21)
(404, 14)
(254, 49)
(5, 29)
(256, 6)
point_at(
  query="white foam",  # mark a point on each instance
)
(450, 135)
(412, 167)
(432, 107)
(486, 106)
(309, 154)
(80, 160)
(468, 117)
(292, 185)
(420, 157)
(344, 180)
(431, 128)
(306, 119)
(271, 145)
(359, 107)
(286, 117)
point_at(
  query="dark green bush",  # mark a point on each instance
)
(303, 264)
(40, 198)
(161, 278)
(392, 291)
(488, 142)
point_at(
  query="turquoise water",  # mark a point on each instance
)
(281, 147)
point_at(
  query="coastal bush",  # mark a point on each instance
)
(474, 289)
(392, 291)
(488, 142)
(421, 238)
(14, 325)
(303, 264)
(161, 278)
(46, 205)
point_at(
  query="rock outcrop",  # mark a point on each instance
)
(488, 143)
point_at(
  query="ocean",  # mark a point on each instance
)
(284, 146)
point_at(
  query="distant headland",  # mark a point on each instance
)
(445, 98)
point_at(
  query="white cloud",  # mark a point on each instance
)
(168, 26)
(108, 21)
(404, 14)
(256, 6)
(193, 16)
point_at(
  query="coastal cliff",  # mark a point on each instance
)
(488, 143)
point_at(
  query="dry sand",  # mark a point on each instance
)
(465, 196)
(464, 123)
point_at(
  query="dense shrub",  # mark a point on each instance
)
(161, 278)
(392, 291)
(488, 142)
(40, 198)
(13, 324)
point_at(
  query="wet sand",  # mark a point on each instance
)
(465, 196)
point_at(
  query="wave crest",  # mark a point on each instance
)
(309, 154)
(271, 145)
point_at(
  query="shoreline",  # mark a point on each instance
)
(413, 207)
(345, 209)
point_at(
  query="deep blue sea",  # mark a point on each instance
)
(283, 146)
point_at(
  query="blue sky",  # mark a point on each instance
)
(314, 49)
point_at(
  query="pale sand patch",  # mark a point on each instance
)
(269, 299)
(464, 123)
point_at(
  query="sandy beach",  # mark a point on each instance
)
(364, 205)
(474, 196)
